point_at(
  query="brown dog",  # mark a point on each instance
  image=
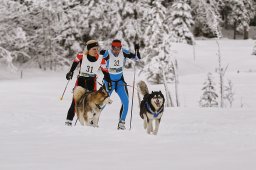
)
(90, 104)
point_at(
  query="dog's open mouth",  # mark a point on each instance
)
(157, 103)
(99, 106)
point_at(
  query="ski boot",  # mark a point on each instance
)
(68, 122)
(121, 125)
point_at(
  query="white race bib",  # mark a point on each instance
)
(89, 67)
(116, 63)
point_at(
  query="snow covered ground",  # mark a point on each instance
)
(33, 135)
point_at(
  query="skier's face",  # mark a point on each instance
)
(93, 51)
(116, 50)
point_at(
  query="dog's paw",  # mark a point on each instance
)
(96, 126)
(90, 123)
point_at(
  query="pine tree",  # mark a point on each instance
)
(209, 97)
(241, 13)
(44, 26)
(228, 93)
(207, 18)
(158, 48)
(181, 21)
(157, 38)
(250, 13)
(13, 38)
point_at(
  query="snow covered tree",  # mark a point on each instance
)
(209, 97)
(181, 21)
(240, 16)
(207, 18)
(44, 27)
(250, 13)
(13, 38)
(158, 46)
(157, 40)
(228, 93)
(221, 72)
(6, 58)
(75, 26)
(30, 32)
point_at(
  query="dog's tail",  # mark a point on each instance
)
(78, 93)
(142, 87)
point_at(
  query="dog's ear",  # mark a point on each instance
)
(104, 90)
(101, 89)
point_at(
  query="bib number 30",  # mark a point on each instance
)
(116, 63)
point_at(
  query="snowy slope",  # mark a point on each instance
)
(33, 135)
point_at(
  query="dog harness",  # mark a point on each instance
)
(101, 107)
(155, 114)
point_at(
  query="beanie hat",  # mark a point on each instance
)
(116, 43)
(92, 43)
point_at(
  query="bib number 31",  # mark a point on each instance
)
(89, 69)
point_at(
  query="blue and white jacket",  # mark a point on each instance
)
(113, 69)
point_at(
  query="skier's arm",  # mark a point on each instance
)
(103, 66)
(130, 55)
(76, 61)
(105, 54)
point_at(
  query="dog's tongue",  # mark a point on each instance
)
(158, 104)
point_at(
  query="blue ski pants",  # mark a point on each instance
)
(120, 88)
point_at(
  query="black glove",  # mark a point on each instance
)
(136, 47)
(138, 55)
(69, 75)
(108, 84)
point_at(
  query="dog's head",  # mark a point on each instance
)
(102, 97)
(157, 99)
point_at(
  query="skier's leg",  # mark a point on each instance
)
(122, 92)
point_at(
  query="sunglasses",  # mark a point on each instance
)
(116, 48)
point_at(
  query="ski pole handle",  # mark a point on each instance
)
(64, 91)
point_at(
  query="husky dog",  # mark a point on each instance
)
(90, 104)
(151, 107)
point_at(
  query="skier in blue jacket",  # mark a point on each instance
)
(113, 75)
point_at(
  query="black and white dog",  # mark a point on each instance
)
(151, 107)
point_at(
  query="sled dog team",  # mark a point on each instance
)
(88, 102)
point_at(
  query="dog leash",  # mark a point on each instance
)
(76, 121)
(120, 85)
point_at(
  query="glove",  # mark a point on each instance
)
(136, 47)
(69, 75)
(138, 55)
(108, 85)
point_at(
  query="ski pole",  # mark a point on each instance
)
(76, 121)
(132, 96)
(64, 90)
